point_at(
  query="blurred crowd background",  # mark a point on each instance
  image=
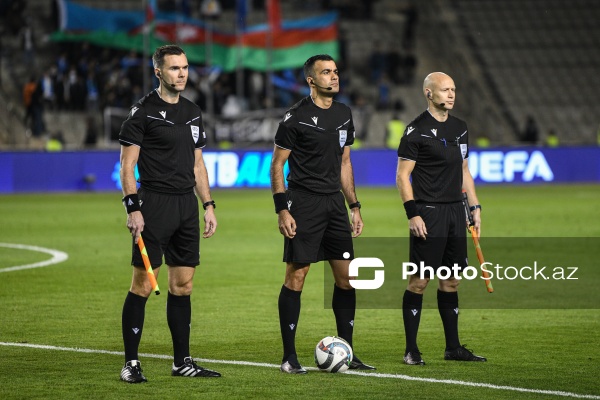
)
(526, 72)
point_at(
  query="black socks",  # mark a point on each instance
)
(412, 304)
(289, 313)
(448, 307)
(179, 318)
(344, 309)
(132, 324)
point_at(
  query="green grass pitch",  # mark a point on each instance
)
(76, 305)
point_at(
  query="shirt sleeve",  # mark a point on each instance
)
(133, 128)
(201, 143)
(286, 134)
(409, 144)
(351, 132)
(467, 141)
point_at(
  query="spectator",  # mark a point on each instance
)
(48, 84)
(91, 133)
(552, 139)
(395, 130)
(34, 106)
(378, 62)
(56, 142)
(531, 132)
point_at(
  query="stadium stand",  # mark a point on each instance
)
(541, 58)
(510, 59)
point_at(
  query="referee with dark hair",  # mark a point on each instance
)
(315, 135)
(434, 151)
(164, 136)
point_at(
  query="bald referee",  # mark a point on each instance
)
(164, 136)
(434, 151)
(315, 135)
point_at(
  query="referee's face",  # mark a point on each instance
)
(326, 76)
(446, 91)
(174, 72)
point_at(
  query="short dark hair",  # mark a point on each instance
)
(158, 57)
(310, 63)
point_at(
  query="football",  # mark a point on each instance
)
(333, 354)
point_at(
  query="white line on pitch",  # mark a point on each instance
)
(57, 256)
(369, 374)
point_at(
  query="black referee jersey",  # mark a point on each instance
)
(168, 135)
(316, 138)
(439, 149)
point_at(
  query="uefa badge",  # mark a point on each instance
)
(343, 136)
(463, 150)
(195, 133)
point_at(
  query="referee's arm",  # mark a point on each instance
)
(129, 158)
(203, 191)
(287, 223)
(469, 187)
(347, 181)
(405, 167)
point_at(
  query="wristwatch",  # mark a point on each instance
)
(476, 206)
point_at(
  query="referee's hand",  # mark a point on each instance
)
(357, 223)
(135, 224)
(210, 223)
(287, 224)
(417, 227)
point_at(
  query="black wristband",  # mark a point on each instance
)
(209, 203)
(476, 206)
(411, 209)
(354, 205)
(280, 200)
(131, 203)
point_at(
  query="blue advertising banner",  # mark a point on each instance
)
(99, 170)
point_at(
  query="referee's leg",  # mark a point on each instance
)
(289, 314)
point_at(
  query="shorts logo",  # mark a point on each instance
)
(289, 203)
(343, 136)
(195, 133)
(463, 150)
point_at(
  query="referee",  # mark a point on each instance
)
(315, 135)
(164, 136)
(434, 151)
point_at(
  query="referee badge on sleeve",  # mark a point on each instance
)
(195, 133)
(463, 150)
(343, 136)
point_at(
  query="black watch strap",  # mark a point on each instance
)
(476, 206)
(209, 203)
(354, 205)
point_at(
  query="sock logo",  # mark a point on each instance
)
(414, 312)
(292, 326)
(456, 310)
(352, 323)
(135, 330)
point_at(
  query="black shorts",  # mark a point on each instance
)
(446, 242)
(322, 228)
(172, 229)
